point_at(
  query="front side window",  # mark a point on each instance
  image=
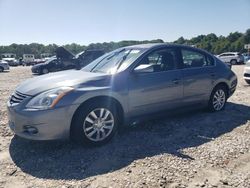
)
(193, 59)
(161, 60)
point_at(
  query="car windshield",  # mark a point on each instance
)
(114, 61)
(79, 54)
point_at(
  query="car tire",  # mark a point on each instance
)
(218, 99)
(248, 81)
(1, 69)
(45, 71)
(233, 62)
(94, 123)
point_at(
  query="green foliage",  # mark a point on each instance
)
(212, 43)
(216, 45)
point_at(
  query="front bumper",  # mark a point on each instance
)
(48, 124)
(34, 70)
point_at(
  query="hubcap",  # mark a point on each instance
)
(98, 124)
(219, 99)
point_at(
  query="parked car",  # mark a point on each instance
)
(232, 58)
(65, 60)
(4, 65)
(247, 72)
(11, 61)
(85, 57)
(246, 57)
(52, 65)
(119, 88)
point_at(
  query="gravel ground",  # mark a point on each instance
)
(194, 149)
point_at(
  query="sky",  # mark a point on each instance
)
(90, 21)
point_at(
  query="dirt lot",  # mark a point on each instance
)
(186, 150)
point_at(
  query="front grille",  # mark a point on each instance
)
(246, 75)
(17, 97)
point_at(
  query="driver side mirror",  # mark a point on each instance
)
(144, 68)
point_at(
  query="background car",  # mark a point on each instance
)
(232, 58)
(4, 65)
(119, 88)
(246, 57)
(247, 72)
(85, 57)
(52, 65)
(65, 60)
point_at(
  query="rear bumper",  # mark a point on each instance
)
(233, 86)
(246, 74)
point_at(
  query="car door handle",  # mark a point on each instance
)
(176, 81)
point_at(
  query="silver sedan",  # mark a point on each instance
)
(117, 89)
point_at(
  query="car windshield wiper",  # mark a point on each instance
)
(122, 60)
(108, 58)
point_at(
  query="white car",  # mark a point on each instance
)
(247, 72)
(232, 57)
(4, 66)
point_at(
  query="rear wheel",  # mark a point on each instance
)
(233, 62)
(1, 69)
(218, 99)
(95, 123)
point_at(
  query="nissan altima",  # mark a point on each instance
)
(117, 89)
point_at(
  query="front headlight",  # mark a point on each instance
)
(48, 99)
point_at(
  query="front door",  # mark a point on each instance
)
(159, 89)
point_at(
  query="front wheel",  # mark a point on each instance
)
(45, 71)
(218, 99)
(95, 124)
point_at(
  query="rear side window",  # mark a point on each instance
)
(193, 59)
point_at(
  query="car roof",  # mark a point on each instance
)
(230, 52)
(153, 45)
(158, 45)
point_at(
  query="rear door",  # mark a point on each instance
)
(157, 90)
(198, 74)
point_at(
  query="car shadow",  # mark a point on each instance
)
(64, 160)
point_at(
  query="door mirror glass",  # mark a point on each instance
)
(144, 68)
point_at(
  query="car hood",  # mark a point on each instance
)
(46, 82)
(62, 53)
(37, 66)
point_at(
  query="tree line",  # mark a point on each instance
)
(211, 42)
(234, 42)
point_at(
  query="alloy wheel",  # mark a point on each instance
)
(98, 124)
(219, 99)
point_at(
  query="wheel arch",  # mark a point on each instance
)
(107, 99)
(223, 84)
(233, 60)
